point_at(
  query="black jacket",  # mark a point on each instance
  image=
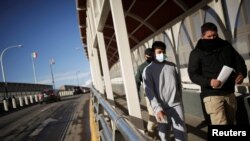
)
(138, 76)
(206, 63)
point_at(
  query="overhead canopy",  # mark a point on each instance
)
(144, 19)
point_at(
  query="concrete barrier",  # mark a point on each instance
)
(13, 100)
(36, 98)
(31, 99)
(26, 100)
(20, 101)
(5, 105)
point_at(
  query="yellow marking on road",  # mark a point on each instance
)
(93, 126)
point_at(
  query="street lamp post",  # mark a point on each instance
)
(15, 46)
(77, 78)
(52, 61)
(2, 58)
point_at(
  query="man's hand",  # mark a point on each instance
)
(239, 79)
(215, 83)
(160, 116)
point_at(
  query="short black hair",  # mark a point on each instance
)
(148, 51)
(158, 44)
(208, 26)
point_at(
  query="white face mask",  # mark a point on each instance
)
(160, 57)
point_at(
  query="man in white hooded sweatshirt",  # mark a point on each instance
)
(163, 89)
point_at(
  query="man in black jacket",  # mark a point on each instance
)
(205, 63)
(151, 125)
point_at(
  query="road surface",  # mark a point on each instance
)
(66, 120)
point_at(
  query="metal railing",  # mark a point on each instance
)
(247, 105)
(113, 126)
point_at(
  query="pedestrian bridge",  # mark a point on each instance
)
(115, 34)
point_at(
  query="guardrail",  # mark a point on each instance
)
(111, 125)
(247, 105)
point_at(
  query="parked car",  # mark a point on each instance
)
(49, 96)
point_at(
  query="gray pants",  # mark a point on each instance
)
(176, 122)
(152, 124)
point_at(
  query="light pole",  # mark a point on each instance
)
(15, 46)
(34, 56)
(2, 58)
(52, 61)
(77, 78)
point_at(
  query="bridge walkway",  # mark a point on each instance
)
(196, 127)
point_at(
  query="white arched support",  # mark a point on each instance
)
(176, 32)
(92, 46)
(105, 68)
(126, 63)
(97, 64)
(217, 7)
(232, 10)
(90, 53)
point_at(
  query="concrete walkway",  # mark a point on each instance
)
(197, 131)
